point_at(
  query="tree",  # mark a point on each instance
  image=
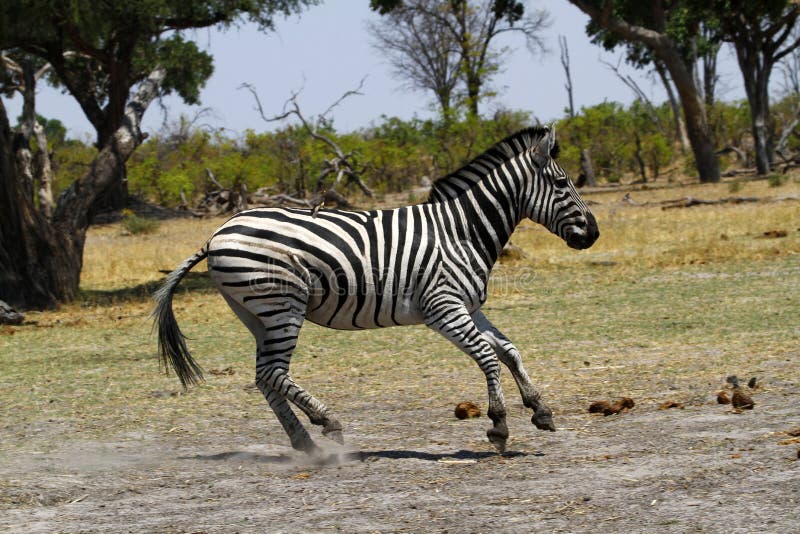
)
(761, 33)
(21, 73)
(114, 58)
(472, 29)
(664, 29)
(419, 51)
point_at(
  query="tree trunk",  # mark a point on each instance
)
(34, 169)
(640, 159)
(473, 96)
(680, 125)
(38, 265)
(587, 176)
(697, 127)
(40, 261)
(755, 73)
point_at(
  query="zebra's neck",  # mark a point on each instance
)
(491, 211)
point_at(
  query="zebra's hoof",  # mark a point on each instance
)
(543, 419)
(498, 435)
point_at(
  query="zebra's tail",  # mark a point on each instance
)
(171, 341)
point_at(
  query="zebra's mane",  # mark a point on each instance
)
(453, 184)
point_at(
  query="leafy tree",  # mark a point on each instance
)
(665, 30)
(761, 33)
(114, 58)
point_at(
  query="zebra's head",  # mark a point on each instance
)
(553, 200)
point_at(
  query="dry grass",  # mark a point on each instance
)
(650, 236)
(631, 236)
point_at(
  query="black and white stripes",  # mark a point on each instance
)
(427, 263)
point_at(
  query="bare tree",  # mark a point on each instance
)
(419, 51)
(472, 28)
(628, 80)
(562, 44)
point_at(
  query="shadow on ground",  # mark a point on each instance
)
(199, 281)
(356, 456)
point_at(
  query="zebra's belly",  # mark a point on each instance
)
(355, 311)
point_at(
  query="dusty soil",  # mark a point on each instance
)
(703, 468)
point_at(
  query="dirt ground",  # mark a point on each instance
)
(702, 468)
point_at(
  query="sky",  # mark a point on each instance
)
(327, 50)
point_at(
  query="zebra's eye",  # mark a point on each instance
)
(561, 181)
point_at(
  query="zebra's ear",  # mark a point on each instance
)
(543, 149)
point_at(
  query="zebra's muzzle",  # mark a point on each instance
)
(584, 238)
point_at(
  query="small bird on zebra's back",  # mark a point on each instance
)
(740, 400)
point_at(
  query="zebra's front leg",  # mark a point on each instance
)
(452, 320)
(542, 415)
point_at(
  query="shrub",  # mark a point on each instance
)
(776, 180)
(135, 225)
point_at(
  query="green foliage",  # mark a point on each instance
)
(136, 225)
(394, 155)
(120, 43)
(70, 161)
(777, 180)
(610, 132)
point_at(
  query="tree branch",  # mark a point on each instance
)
(342, 160)
(625, 29)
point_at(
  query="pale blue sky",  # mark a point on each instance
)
(327, 50)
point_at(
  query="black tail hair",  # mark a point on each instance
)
(171, 341)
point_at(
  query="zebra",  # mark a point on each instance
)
(427, 263)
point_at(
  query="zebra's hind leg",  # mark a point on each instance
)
(298, 435)
(272, 374)
(277, 341)
(452, 320)
(542, 415)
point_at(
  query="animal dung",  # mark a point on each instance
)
(466, 410)
(600, 407)
(742, 400)
(222, 372)
(626, 403)
(774, 234)
(739, 400)
(722, 398)
(610, 408)
(666, 405)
